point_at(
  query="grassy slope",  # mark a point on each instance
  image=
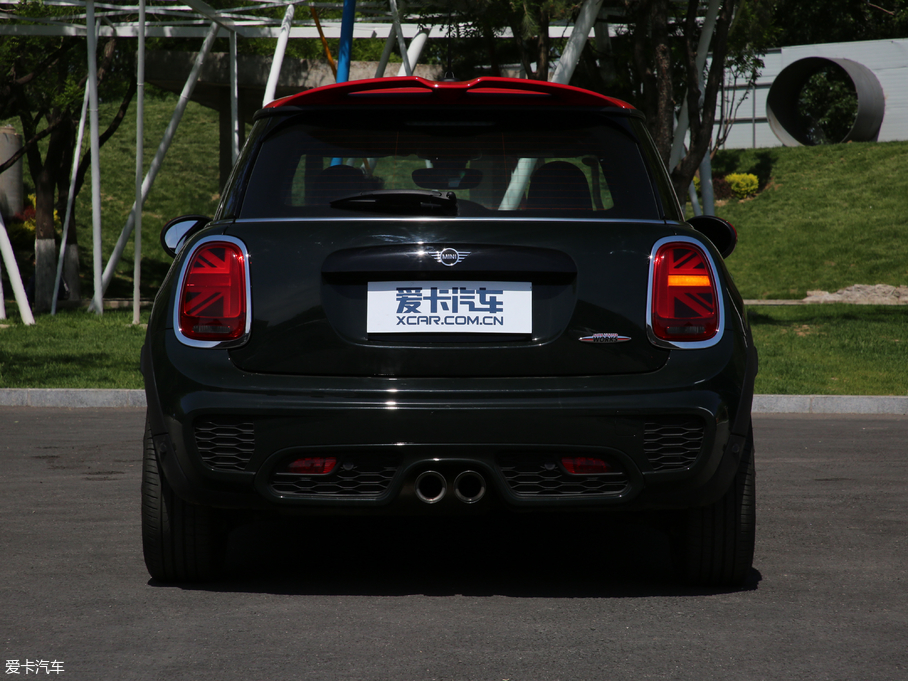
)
(810, 349)
(829, 217)
(187, 183)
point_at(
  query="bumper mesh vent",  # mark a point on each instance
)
(351, 478)
(672, 442)
(541, 476)
(225, 444)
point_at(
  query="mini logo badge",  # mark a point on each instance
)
(604, 338)
(449, 256)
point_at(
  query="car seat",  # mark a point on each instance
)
(337, 181)
(559, 185)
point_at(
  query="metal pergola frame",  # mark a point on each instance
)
(195, 18)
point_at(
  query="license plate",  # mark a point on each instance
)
(449, 307)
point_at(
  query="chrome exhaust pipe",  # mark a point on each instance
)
(431, 487)
(469, 487)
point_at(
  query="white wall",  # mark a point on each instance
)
(888, 59)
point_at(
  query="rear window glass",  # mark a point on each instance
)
(516, 163)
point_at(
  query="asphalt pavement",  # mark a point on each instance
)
(570, 598)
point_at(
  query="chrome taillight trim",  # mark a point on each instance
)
(233, 343)
(720, 299)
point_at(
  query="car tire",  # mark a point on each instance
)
(715, 544)
(181, 542)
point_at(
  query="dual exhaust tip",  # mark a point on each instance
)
(431, 487)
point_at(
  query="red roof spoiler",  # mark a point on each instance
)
(415, 90)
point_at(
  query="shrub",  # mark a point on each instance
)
(743, 184)
(721, 189)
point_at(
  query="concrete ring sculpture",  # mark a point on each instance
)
(782, 108)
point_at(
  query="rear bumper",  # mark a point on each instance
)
(509, 431)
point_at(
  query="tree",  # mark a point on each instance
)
(652, 63)
(42, 82)
(663, 43)
(474, 25)
(834, 21)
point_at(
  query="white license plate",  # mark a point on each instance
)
(449, 307)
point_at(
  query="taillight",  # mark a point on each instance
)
(684, 301)
(585, 465)
(212, 303)
(312, 465)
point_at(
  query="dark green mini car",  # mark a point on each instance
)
(443, 298)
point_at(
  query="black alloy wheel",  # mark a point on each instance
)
(714, 545)
(181, 542)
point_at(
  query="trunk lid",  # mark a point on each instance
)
(448, 289)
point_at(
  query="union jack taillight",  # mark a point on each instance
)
(212, 304)
(685, 304)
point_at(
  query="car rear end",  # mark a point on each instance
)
(444, 298)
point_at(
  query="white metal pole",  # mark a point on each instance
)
(695, 204)
(395, 17)
(98, 298)
(2, 302)
(70, 200)
(413, 53)
(571, 55)
(15, 280)
(159, 156)
(140, 162)
(706, 185)
(380, 73)
(753, 115)
(386, 53)
(278, 56)
(565, 69)
(234, 102)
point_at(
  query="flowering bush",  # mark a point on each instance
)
(26, 216)
(734, 185)
(743, 184)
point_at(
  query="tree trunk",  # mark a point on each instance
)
(652, 61)
(45, 230)
(607, 71)
(543, 49)
(702, 117)
(488, 38)
(664, 125)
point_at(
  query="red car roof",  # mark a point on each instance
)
(414, 90)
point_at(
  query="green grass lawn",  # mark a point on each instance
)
(810, 349)
(826, 218)
(831, 349)
(74, 349)
(187, 183)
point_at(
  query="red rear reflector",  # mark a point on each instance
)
(312, 465)
(585, 465)
(213, 299)
(684, 294)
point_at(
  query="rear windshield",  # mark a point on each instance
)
(514, 163)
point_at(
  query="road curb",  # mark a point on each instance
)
(830, 404)
(763, 404)
(64, 397)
